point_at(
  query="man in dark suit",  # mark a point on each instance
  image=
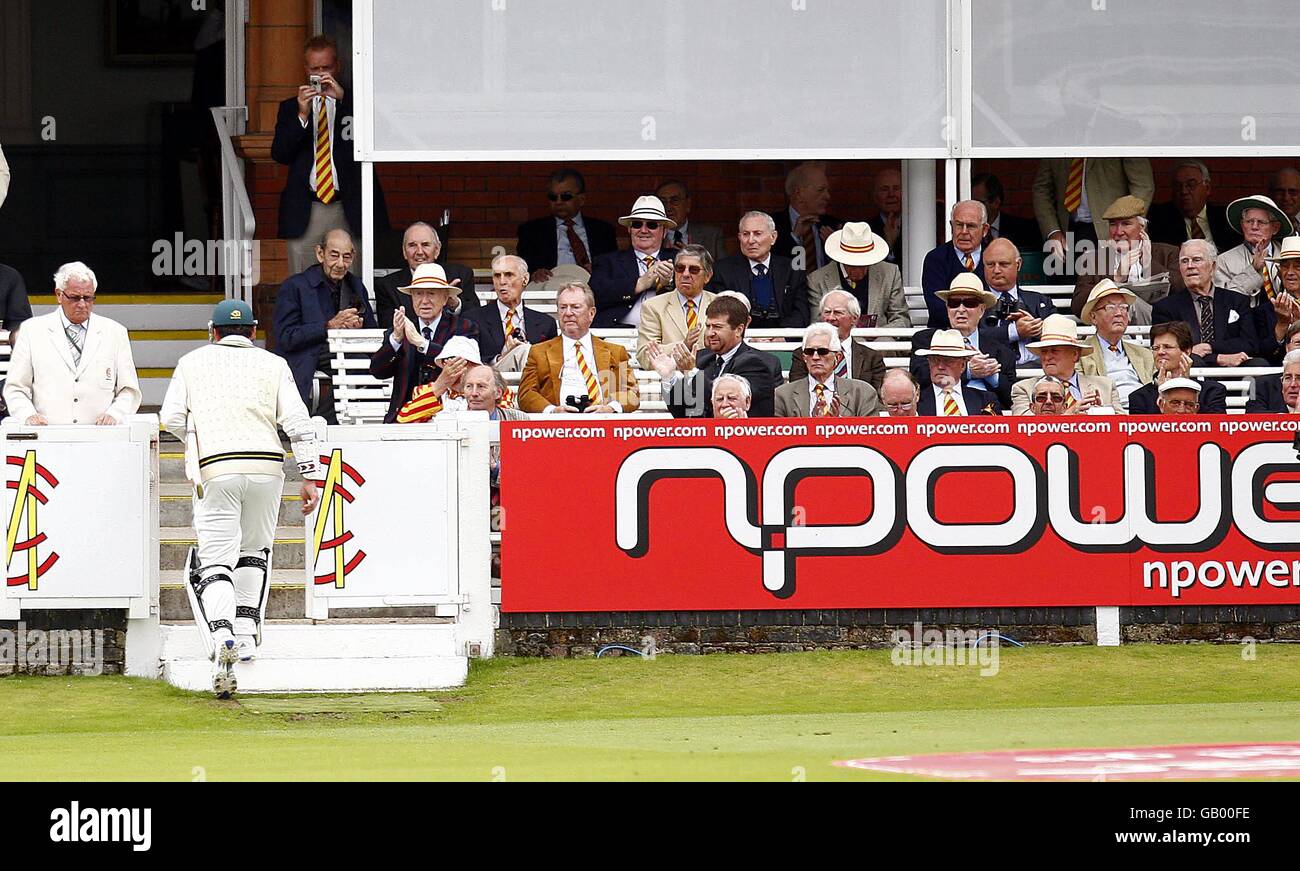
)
(310, 304)
(944, 396)
(725, 353)
(676, 197)
(506, 324)
(1265, 395)
(624, 280)
(993, 368)
(841, 309)
(963, 254)
(323, 190)
(804, 224)
(420, 244)
(1021, 232)
(1002, 263)
(410, 348)
(887, 194)
(14, 306)
(1171, 346)
(1220, 320)
(566, 235)
(777, 292)
(1190, 214)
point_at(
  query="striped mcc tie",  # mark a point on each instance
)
(1074, 187)
(324, 174)
(593, 389)
(691, 319)
(950, 408)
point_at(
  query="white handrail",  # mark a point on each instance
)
(239, 226)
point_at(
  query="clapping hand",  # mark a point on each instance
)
(662, 362)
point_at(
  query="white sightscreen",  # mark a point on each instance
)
(485, 79)
(1119, 74)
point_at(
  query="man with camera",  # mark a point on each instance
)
(1017, 317)
(576, 372)
(777, 292)
(505, 326)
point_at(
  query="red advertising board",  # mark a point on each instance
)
(675, 515)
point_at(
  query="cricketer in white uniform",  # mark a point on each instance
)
(224, 403)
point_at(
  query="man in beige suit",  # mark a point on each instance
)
(1127, 364)
(821, 394)
(859, 268)
(1060, 351)
(69, 366)
(678, 314)
(1072, 194)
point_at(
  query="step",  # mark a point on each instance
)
(176, 504)
(286, 601)
(288, 552)
(305, 657)
(171, 465)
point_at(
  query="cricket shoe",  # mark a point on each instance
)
(223, 679)
(246, 645)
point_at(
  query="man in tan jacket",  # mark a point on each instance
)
(1127, 364)
(677, 315)
(1060, 351)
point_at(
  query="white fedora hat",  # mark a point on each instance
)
(1059, 331)
(968, 283)
(855, 245)
(648, 208)
(430, 276)
(1104, 288)
(1290, 250)
(946, 343)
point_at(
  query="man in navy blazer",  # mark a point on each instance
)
(421, 244)
(410, 348)
(309, 304)
(1001, 261)
(963, 254)
(307, 211)
(758, 270)
(509, 277)
(545, 243)
(805, 220)
(1234, 342)
(623, 280)
(947, 358)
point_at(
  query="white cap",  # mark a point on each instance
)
(459, 346)
(1175, 383)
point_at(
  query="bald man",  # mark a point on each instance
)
(805, 224)
(1017, 316)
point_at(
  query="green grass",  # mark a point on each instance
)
(770, 717)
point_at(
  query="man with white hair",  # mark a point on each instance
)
(1130, 260)
(70, 366)
(804, 226)
(777, 291)
(421, 244)
(1179, 396)
(970, 223)
(947, 357)
(1190, 214)
(508, 324)
(821, 393)
(1291, 382)
(840, 309)
(1251, 268)
(1221, 322)
(731, 396)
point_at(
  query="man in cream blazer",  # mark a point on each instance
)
(665, 319)
(70, 366)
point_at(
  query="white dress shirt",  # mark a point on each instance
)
(331, 109)
(571, 381)
(1119, 369)
(956, 394)
(633, 316)
(828, 391)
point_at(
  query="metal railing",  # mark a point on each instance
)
(239, 264)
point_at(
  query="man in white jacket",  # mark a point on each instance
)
(224, 403)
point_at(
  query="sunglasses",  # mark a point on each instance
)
(89, 300)
(1044, 398)
(817, 352)
(649, 225)
(555, 198)
(963, 302)
(693, 270)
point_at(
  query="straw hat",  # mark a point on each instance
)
(1290, 250)
(649, 208)
(1104, 288)
(946, 343)
(430, 276)
(1059, 331)
(967, 283)
(855, 245)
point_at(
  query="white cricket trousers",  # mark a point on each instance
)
(235, 521)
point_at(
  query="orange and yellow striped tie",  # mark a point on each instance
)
(969, 263)
(324, 174)
(1268, 282)
(1074, 187)
(950, 408)
(1070, 401)
(593, 389)
(820, 408)
(510, 322)
(691, 319)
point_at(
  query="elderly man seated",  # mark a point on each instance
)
(1060, 350)
(1128, 364)
(1223, 326)
(1047, 397)
(900, 395)
(1179, 396)
(731, 396)
(964, 254)
(993, 366)
(677, 316)
(821, 394)
(840, 309)
(507, 327)
(859, 268)
(1171, 347)
(1286, 301)
(947, 358)
(1291, 382)
(1131, 260)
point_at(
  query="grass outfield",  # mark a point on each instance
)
(767, 717)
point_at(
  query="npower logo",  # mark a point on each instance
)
(27, 497)
(760, 518)
(332, 499)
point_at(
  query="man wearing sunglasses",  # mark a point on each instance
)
(1048, 396)
(70, 366)
(821, 393)
(677, 318)
(566, 235)
(624, 281)
(992, 367)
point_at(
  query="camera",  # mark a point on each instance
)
(578, 402)
(518, 335)
(314, 81)
(1005, 309)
